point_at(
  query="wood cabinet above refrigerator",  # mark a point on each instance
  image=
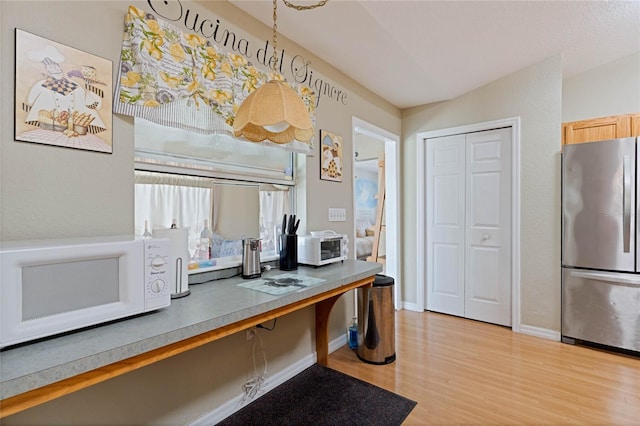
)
(603, 128)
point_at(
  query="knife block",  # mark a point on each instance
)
(288, 252)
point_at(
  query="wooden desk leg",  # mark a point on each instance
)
(323, 309)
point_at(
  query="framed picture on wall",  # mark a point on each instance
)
(330, 156)
(62, 95)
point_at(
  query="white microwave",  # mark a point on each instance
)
(54, 286)
(321, 248)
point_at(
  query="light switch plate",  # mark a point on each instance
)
(337, 215)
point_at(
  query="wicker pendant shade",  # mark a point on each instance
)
(275, 112)
(273, 106)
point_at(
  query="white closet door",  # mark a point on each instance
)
(469, 225)
(488, 227)
(446, 224)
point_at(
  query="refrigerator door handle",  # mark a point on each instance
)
(626, 204)
(613, 278)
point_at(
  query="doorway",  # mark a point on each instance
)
(457, 274)
(375, 200)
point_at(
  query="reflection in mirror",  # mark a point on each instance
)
(230, 210)
(275, 201)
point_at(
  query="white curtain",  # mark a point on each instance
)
(216, 193)
(273, 205)
(159, 204)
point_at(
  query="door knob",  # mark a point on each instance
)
(485, 237)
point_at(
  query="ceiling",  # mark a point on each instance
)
(417, 52)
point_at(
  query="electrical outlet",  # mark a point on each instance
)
(337, 215)
(251, 333)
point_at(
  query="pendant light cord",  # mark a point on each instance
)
(275, 25)
(299, 7)
(275, 35)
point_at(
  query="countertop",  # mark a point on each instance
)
(210, 305)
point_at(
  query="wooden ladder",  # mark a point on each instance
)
(379, 226)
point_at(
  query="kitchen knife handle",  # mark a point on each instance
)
(626, 204)
(284, 224)
(292, 222)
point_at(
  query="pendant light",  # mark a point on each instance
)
(274, 111)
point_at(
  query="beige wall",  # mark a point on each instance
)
(368, 147)
(611, 89)
(533, 94)
(50, 192)
(238, 223)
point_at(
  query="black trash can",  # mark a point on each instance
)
(377, 322)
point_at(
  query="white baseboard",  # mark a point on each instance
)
(225, 410)
(524, 329)
(411, 307)
(338, 342)
(540, 332)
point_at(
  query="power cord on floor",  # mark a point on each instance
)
(254, 385)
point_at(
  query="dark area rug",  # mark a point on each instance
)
(322, 396)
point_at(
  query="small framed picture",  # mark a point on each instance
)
(330, 156)
(63, 96)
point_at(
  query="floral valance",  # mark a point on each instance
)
(181, 80)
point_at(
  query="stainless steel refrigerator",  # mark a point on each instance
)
(600, 255)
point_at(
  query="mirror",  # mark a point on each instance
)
(241, 189)
(232, 211)
(229, 210)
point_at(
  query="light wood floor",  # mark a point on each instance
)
(463, 371)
